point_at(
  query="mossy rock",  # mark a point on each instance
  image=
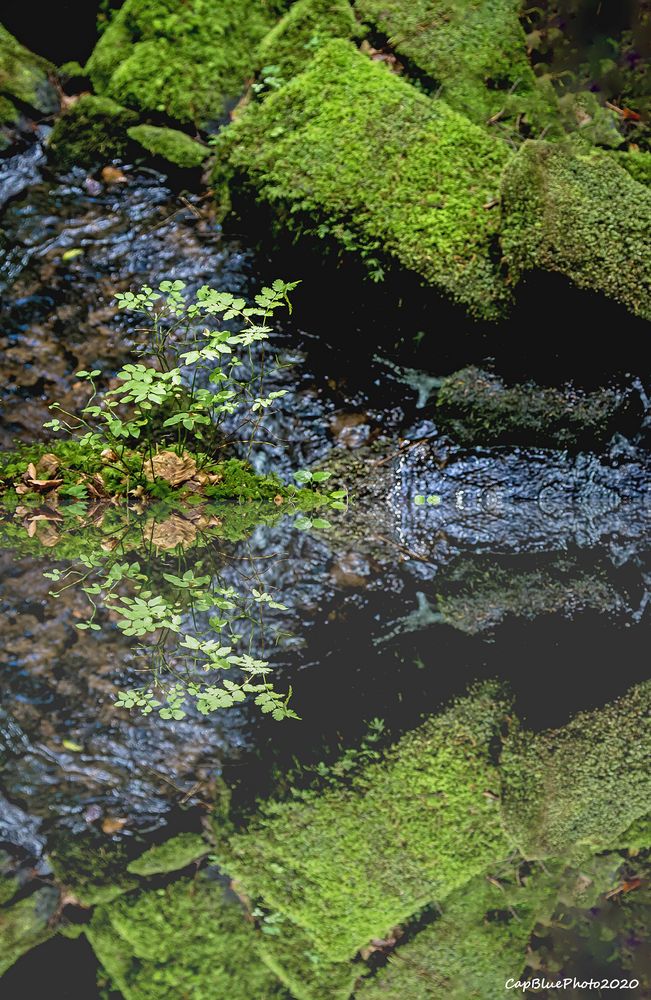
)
(93, 868)
(583, 785)
(181, 60)
(351, 863)
(175, 853)
(26, 924)
(349, 150)
(635, 162)
(170, 144)
(302, 32)
(92, 132)
(575, 211)
(308, 975)
(475, 51)
(477, 408)
(479, 940)
(186, 940)
(25, 78)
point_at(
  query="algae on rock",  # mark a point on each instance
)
(574, 210)
(179, 60)
(303, 30)
(170, 144)
(93, 131)
(350, 150)
(351, 863)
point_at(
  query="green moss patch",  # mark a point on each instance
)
(579, 213)
(348, 865)
(181, 60)
(637, 163)
(25, 924)
(93, 131)
(170, 144)
(302, 32)
(25, 77)
(175, 853)
(349, 150)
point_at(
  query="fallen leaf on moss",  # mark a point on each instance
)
(34, 480)
(174, 469)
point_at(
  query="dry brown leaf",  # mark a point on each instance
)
(113, 824)
(112, 175)
(35, 481)
(172, 532)
(174, 469)
(47, 466)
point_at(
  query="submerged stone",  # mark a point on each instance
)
(25, 78)
(351, 863)
(576, 211)
(476, 407)
(92, 132)
(302, 31)
(181, 60)
(349, 150)
(170, 144)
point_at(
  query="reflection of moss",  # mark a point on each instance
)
(469, 952)
(476, 51)
(348, 149)
(170, 144)
(350, 864)
(183, 941)
(91, 132)
(580, 785)
(577, 212)
(24, 77)
(94, 869)
(182, 60)
(303, 30)
(175, 853)
(478, 408)
(25, 924)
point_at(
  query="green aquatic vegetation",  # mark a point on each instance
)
(188, 939)
(347, 150)
(476, 52)
(574, 210)
(180, 60)
(172, 145)
(306, 26)
(351, 863)
(579, 787)
(93, 131)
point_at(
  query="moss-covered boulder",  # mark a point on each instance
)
(25, 924)
(475, 51)
(348, 865)
(577, 212)
(169, 144)
(93, 131)
(308, 975)
(636, 162)
(302, 32)
(25, 80)
(170, 856)
(93, 868)
(349, 150)
(476, 407)
(583, 785)
(478, 942)
(182, 60)
(186, 940)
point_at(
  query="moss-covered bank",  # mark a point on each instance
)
(350, 150)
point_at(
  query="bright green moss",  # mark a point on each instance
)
(173, 854)
(93, 131)
(303, 31)
(172, 145)
(575, 211)
(475, 51)
(477, 943)
(187, 940)
(581, 785)
(25, 76)
(306, 973)
(637, 163)
(182, 60)
(348, 149)
(348, 865)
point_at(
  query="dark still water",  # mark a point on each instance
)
(465, 796)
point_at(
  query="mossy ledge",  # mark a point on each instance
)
(349, 150)
(292, 42)
(93, 131)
